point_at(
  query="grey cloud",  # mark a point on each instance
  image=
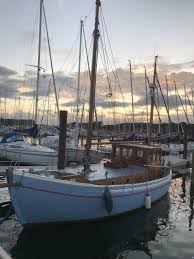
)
(28, 94)
(4, 71)
(173, 101)
(103, 104)
(8, 83)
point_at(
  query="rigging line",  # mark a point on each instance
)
(167, 110)
(89, 13)
(87, 55)
(176, 107)
(154, 100)
(77, 37)
(69, 53)
(45, 47)
(51, 62)
(190, 104)
(31, 46)
(110, 49)
(105, 54)
(182, 104)
(66, 78)
(47, 96)
(105, 67)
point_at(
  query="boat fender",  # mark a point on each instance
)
(108, 200)
(148, 202)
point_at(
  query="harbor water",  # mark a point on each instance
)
(164, 231)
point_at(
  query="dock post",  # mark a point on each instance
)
(185, 141)
(192, 172)
(9, 174)
(82, 139)
(62, 139)
(98, 144)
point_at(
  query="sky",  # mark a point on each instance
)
(137, 29)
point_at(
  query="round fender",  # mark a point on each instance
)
(108, 200)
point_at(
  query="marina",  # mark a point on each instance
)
(96, 149)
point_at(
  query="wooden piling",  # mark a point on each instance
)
(192, 172)
(185, 141)
(62, 139)
(9, 174)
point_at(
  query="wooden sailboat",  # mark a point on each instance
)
(131, 178)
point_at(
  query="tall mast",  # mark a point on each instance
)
(96, 35)
(78, 83)
(152, 95)
(167, 101)
(146, 90)
(185, 98)
(51, 62)
(38, 66)
(177, 108)
(132, 104)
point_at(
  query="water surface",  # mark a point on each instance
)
(165, 231)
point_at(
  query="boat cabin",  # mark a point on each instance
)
(141, 163)
(130, 163)
(127, 154)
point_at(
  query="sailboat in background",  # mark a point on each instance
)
(131, 179)
(15, 147)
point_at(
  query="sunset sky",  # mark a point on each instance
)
(138, 30)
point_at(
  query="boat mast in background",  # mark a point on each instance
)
(38, 66)
(146, 90)
(132, 103)
(152, 92)
(42, 12)
(51, 62)
(78, 84)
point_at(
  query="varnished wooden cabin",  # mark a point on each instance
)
(145, 159)
(130, 163)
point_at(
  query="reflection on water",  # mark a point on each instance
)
(191, 207)
(96, 240)
(163, 232)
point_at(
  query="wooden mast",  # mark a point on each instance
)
(38, 66)
(96, 35)
(152, 92)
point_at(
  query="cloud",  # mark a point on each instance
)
(9, 82)
(117, 82)
(4, 71)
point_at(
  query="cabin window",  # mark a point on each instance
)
(121, 152)
(117, 152)
(125, 152)
(129, 153)
(139, 154)
(150, 159)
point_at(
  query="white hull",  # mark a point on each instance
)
(44, 200)
(24, 153)
(38, 155)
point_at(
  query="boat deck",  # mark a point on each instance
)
(98, 171)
